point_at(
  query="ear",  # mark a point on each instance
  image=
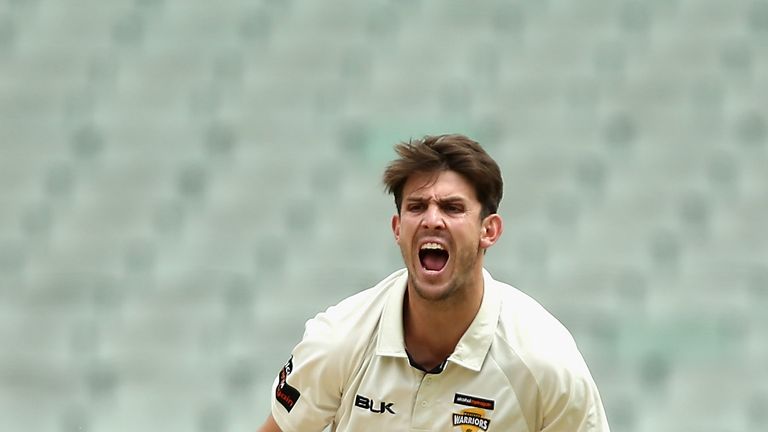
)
(492, 228)
(396, 227)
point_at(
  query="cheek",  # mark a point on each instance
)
(401, 234)
(405, 235)
(406, 226)
(471, 236)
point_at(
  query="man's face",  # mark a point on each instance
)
(441, 235)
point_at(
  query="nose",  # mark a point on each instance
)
(433, 218)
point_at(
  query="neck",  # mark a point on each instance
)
(434, 328)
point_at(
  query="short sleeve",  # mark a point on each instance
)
(571, 401)
(307, 391)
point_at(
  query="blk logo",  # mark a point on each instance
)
(370, 405)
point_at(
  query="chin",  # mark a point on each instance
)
(433, 290)
(434, 295)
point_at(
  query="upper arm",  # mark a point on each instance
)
(308, 390)
(574, 407)
(570, 399)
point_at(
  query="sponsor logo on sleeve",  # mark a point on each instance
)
(286, 395)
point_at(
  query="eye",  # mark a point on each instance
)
(454, 208)
(415, 207)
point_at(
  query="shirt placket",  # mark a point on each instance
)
(427, 413)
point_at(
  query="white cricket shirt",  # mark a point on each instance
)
(515, 369)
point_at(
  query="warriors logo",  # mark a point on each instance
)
(471, 420)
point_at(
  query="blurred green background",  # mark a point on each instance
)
(184, 183)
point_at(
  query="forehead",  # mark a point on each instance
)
(440, 184)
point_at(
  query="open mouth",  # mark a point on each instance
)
(433, 256)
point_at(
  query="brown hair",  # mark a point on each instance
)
(442, 153)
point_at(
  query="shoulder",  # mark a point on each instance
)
(334, 344)
(342, 326)
(527, 331)
(540, 359)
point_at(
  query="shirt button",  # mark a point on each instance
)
(424, 404)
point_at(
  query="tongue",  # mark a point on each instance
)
(434, 261)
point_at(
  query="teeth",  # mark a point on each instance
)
(437, 246)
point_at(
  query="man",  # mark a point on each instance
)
(440, 345)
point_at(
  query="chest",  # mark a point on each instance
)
(387, 393)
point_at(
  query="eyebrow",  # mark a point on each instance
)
(446, 200)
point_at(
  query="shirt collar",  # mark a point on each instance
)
(391, 342)
(473, 346)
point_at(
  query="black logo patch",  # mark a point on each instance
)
(284, 393)
(475, 402)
